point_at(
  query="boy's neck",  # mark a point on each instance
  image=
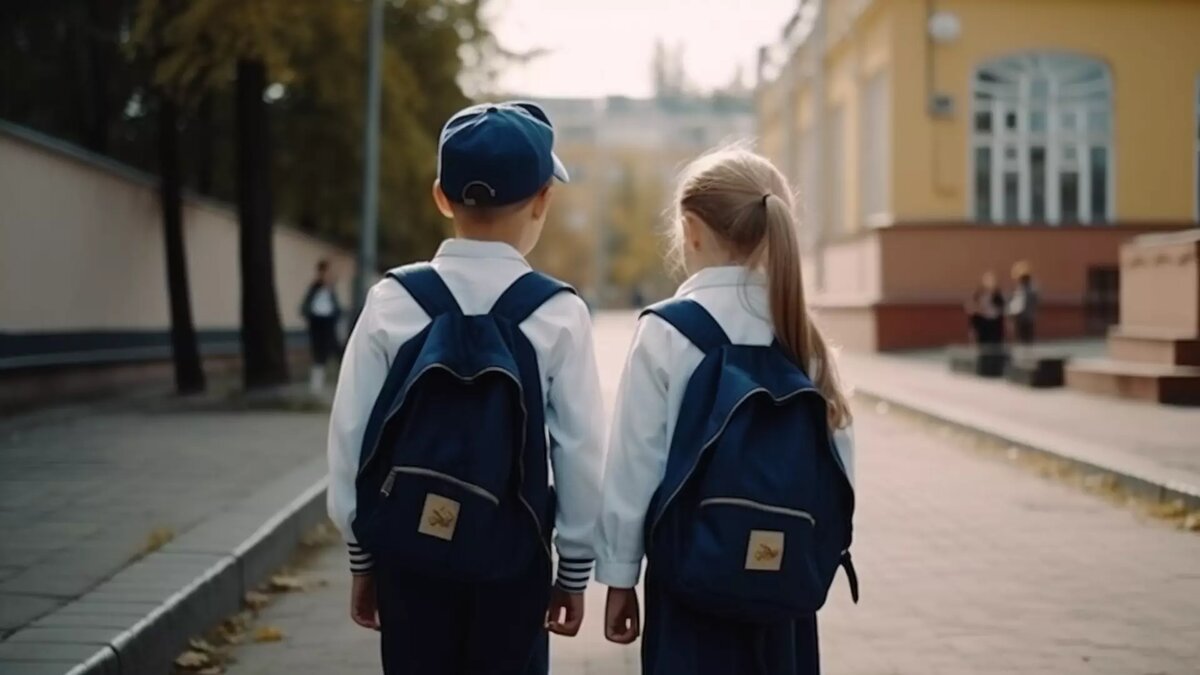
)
(501, 232)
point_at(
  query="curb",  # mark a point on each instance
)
(179, 591)
(1132, 481)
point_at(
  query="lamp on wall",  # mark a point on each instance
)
(944, 27)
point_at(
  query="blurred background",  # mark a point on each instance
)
(193, 143)
(1016, 180)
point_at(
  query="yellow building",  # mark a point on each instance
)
(932, 140)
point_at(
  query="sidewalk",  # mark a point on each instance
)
(968, 566)
(93, 497)
(1152, 450)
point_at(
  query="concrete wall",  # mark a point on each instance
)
(81, 247)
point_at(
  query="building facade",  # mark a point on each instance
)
(934, 140)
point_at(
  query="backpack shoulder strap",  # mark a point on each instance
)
(690, 318)
(530, 291)
(425, 285)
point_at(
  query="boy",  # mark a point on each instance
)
(495, 178)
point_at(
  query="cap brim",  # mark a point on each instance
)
(560, 171)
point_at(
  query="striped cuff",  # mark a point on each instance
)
(361, 562)
(573, 574)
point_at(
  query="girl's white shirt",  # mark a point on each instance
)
(659, 365)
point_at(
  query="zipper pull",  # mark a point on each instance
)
(386, 488)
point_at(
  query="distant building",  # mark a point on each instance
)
(934, 140)
(611, 142)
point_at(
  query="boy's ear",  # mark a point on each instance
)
(541, 201)
(439, 198)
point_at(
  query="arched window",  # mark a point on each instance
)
(1042, 140)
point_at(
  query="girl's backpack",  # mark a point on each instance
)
(753, 516)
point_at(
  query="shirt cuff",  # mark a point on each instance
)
(573, 574)
(361, 561)
(618, 574)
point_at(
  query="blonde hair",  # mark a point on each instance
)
(745, 201)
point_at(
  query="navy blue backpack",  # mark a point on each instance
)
(753, 517)
(453, 479)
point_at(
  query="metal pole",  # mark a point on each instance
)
(370, 202)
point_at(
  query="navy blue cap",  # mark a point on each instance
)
(492, 154)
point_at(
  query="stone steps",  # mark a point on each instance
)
(1151, 382)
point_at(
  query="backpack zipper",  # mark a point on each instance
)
(524, 423)
(704, 448)
(388, 482)
(758, 506)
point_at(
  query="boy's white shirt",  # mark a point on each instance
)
(560, 331)
(657, 370)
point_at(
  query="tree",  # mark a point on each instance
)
(264, 359)
(207, 42)
(636, 211)
(189, 372)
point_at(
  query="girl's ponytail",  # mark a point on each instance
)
(745, 201)
(789, 312)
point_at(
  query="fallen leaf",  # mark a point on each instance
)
(268, 634)
(212, 670)
(200, 645)
(157, 538)
(256, 601)
(283, 583)
(192, 660)
(1192, 522)
(1168, 510)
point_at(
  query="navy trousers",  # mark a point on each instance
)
(678, 641)
(431, 626)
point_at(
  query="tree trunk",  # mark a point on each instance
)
(100, 28)
(189, 375)
(263, 352)
(205, 139)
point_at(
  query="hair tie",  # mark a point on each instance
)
(764, 199)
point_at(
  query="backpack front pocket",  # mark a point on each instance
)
(750, 560)
(446, 526)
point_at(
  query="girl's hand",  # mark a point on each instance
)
(364, 603)
(622, 622)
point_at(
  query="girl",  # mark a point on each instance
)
(736, 236)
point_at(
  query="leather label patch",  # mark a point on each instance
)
(765, 551)
(439, 517)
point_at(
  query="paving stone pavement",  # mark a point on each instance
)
(968, 566)
(81, 490)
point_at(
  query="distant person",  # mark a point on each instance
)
(322, 311)
(985, 312)
(637, 297)
(1023, 307)
(726, 410)
(466, 382)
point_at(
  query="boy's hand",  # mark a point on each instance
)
(565, 615)
(364, 603)
(622, 621)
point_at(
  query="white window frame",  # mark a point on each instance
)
(1064, 99)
